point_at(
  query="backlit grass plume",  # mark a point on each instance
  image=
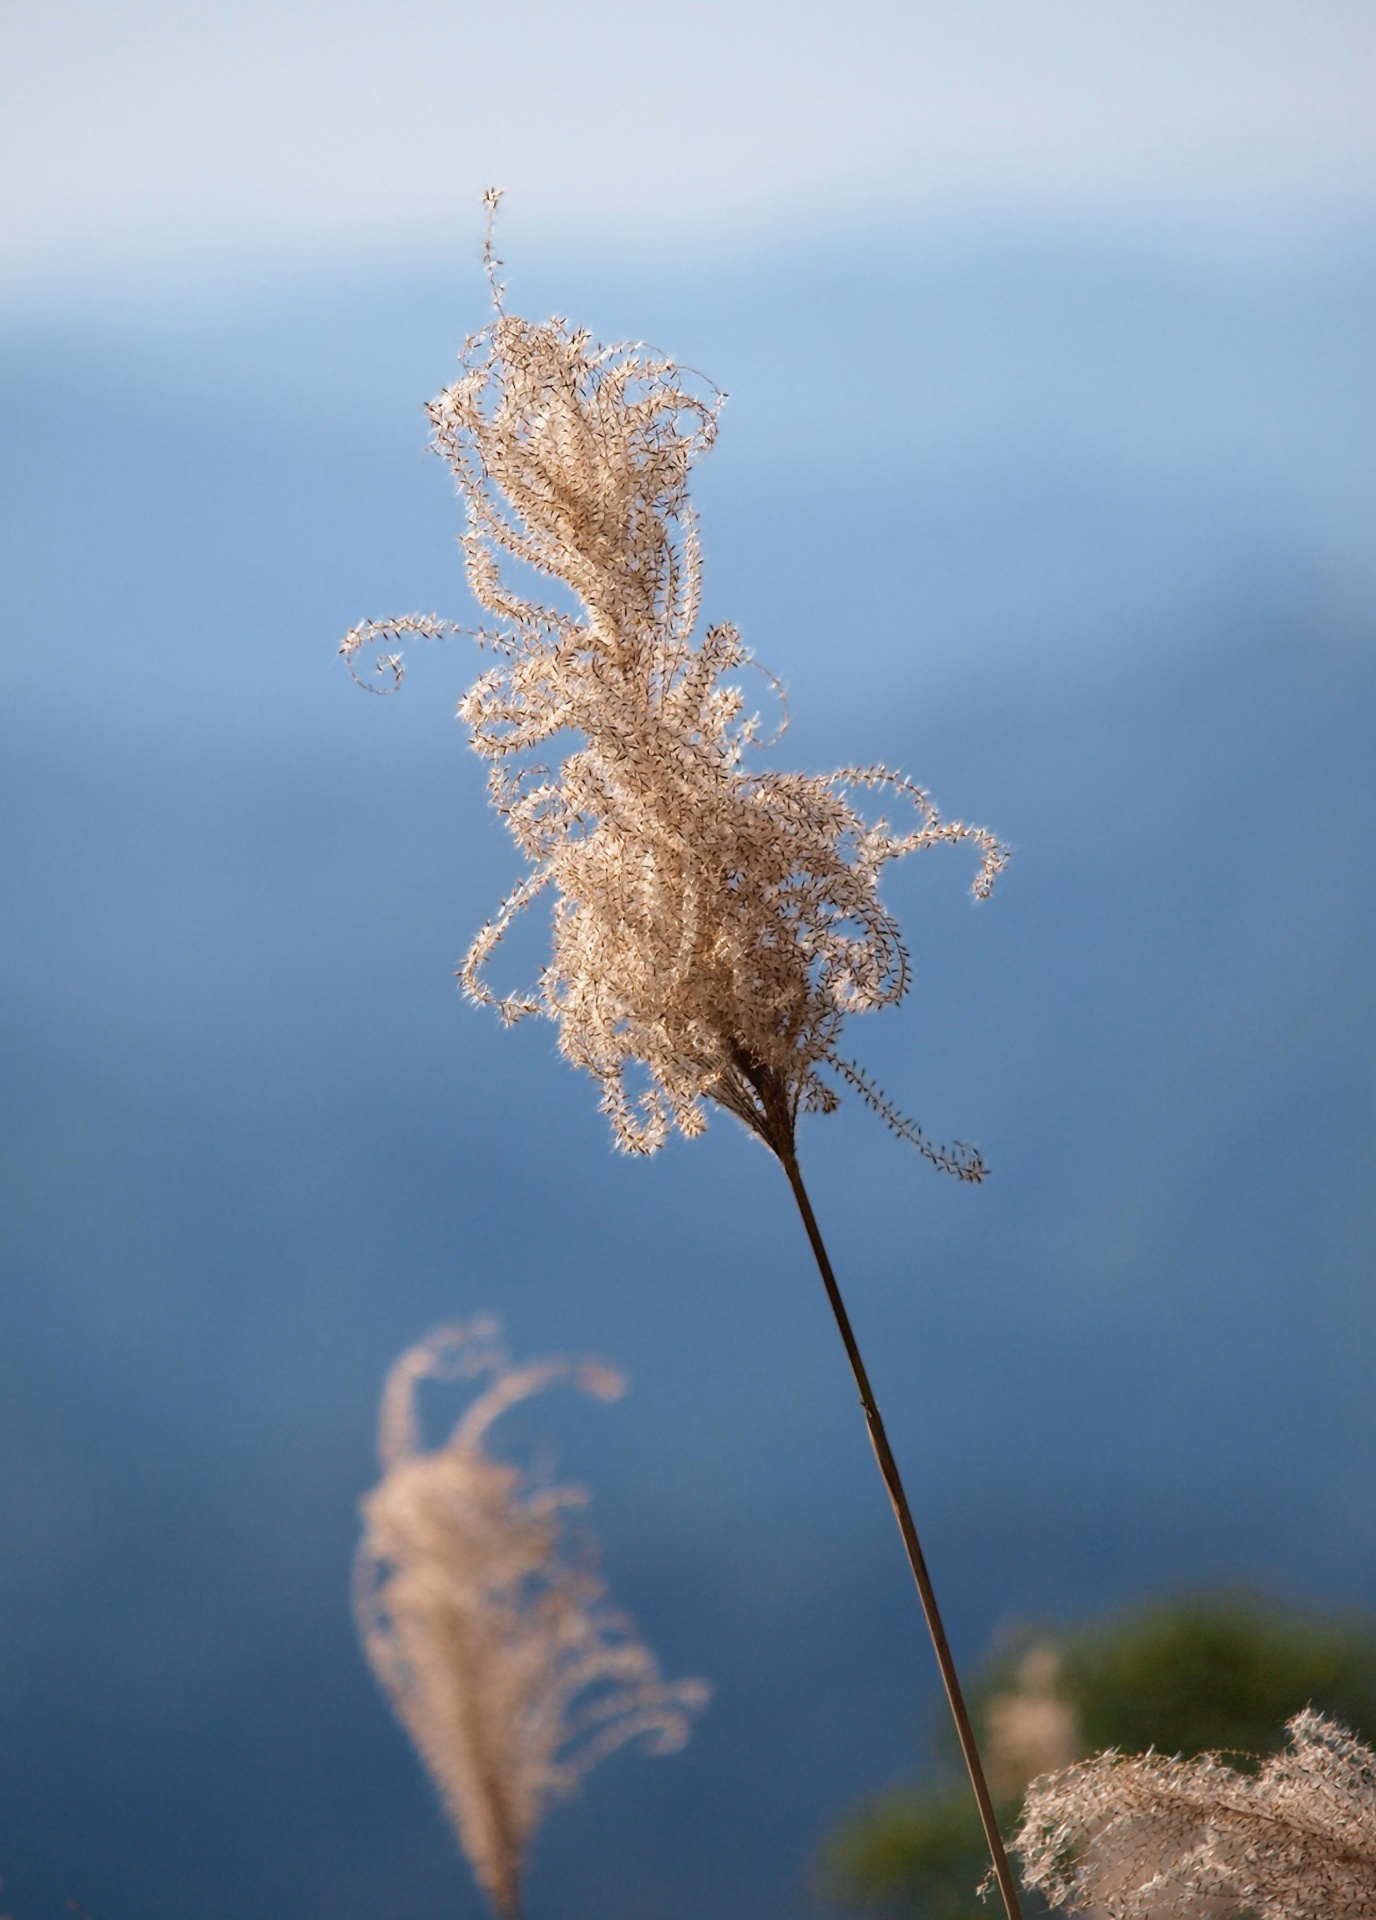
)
(491, 1636)
(713, 922)
(1152, 1838)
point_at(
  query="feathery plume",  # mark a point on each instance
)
(713, 925)
(493, 1639)
(1152, 1838)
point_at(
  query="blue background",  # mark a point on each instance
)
(1069, 521)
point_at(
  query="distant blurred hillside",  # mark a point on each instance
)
(1080, 536)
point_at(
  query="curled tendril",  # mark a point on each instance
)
(389, 667)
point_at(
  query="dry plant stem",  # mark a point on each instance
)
(888, 1467)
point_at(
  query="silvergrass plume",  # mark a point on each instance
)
(1152, 1838)
(712, 925)
(492, 1638)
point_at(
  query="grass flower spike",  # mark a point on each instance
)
(1147, 1837)
(713, 924)
(494, 1641)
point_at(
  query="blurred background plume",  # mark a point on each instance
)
(488, 1628)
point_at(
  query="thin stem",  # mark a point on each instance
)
(888, 1467)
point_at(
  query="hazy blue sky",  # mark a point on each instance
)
(135, 128)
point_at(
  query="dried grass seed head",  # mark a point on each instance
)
(1147, 1837)
(713, 924)
(490, 1633)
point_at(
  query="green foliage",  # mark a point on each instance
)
(1185, 1676)
(908, 1853)
(1200, 1676)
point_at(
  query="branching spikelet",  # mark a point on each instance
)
(495, 1643)
(713, 924)
(1152, 1838)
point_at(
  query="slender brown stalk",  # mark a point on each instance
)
(888, 1467)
